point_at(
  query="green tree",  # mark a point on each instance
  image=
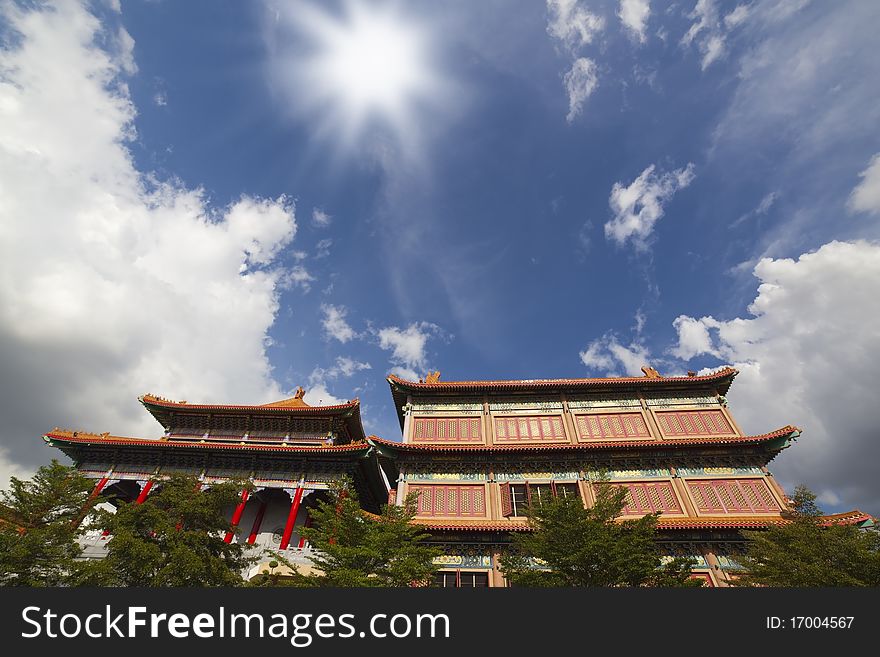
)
(174, 538)
(571, 545)
(356, 549)
(42, 519)
(803, 552)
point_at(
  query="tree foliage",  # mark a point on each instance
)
(357, 549)
(42, 519)
(803, 552)
(174, 538)
(571, 545)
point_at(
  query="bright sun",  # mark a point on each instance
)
(368, 66)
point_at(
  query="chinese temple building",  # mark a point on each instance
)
(476, 454)
(290, 451)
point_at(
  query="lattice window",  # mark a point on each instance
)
(694, 423)
(457, 500)
(650, 497)
(529, 427)
(460, 579)
(445, 429)
(517, 498)
(732, 496)
(600, 426)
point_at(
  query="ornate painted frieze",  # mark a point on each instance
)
(604, 402)
(615, 475)
(446, 408)
(659, 401)
(537, 475)
(719, 472)
(445, 476)
(468, 558)
(527, 404)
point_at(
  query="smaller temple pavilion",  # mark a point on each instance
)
(291, 451)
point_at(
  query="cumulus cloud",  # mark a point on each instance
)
(634, 15)
(572, 24)
(318, 392)
(335, 325)
(102, 293)
(301, 278)
(321, 219)
(639, 206)
(408, 346)
(807, 356)
(606, 355)
(580, 82)
(866, 195)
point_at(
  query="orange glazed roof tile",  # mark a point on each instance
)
(67, 436)
(788, 430)
(736, 522)
(853, 517)
(293, 403)
(401, 387)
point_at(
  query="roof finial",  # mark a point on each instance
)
(650, 372)
(300, 393)
(432, 377)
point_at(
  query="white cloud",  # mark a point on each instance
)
(103, 293)
(321, 219)
(300, 277)
(348, 366)
(408, 345)
(640, 205)
(318, 395)
(608, 356)
(706, 31)
(807, 356)
(571, 24)
(866, 195)
(322, 248)
(335, 325)
(737, 16)
(580, 82)
(634, 15)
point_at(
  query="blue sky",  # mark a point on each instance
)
(223, 201)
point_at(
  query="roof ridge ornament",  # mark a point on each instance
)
(650, 372)
(431, 377)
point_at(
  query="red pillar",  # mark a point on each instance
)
(255, 529)
(291, 519)
(237, 515)
(144, 492)
(99, 487)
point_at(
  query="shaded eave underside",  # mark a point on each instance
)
(400, 388)
(65, 439)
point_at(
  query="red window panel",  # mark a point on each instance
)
(694, 423)
(650, 497)
(447, 429)
(506, 501)
(601, 426)
(529, 427)
(456, 500)
(732, 496)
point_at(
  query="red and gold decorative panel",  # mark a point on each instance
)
(650, 497)
(604, 426)
(732, 496)
(447, 430)
(694, 423)
(529, 427)
(456, 500)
